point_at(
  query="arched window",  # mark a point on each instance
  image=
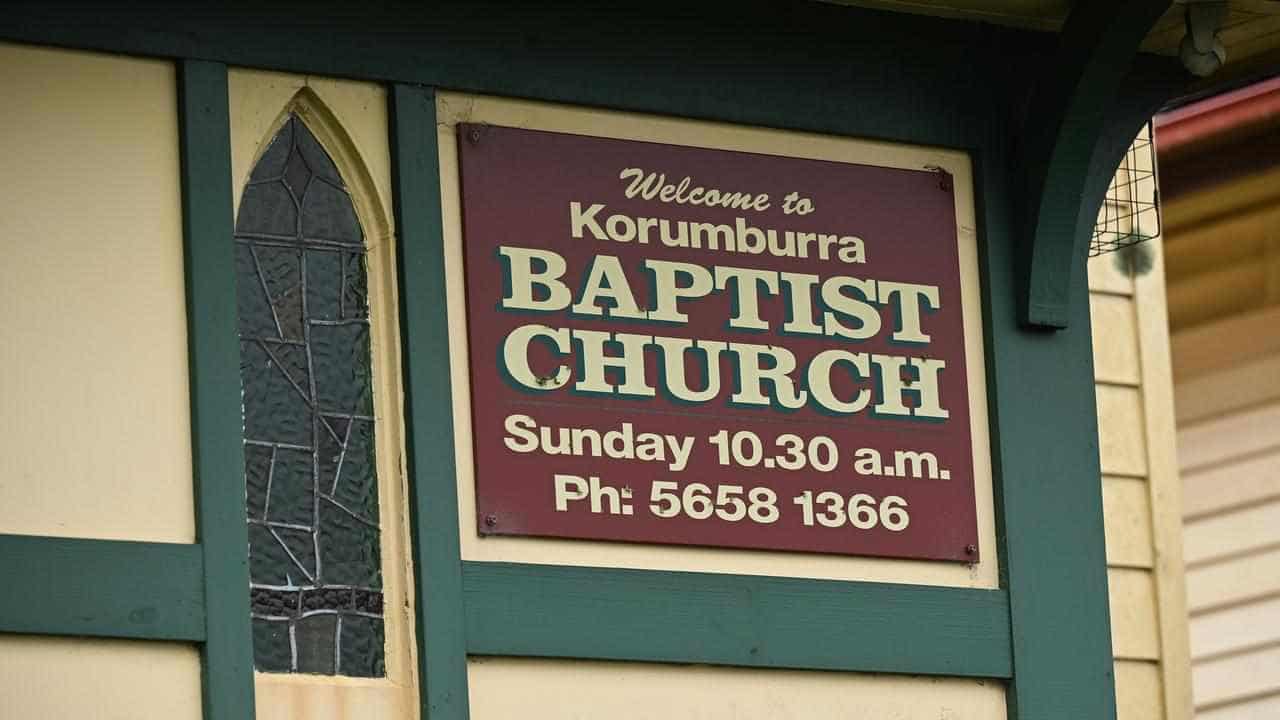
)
(310, 471)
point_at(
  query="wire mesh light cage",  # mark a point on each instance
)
(1130, 212)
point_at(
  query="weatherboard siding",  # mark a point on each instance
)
(1140, 492)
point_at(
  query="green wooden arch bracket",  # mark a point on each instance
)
(1066, 123)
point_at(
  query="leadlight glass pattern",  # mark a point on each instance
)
(311, 488)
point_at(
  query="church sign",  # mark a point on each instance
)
(693, 346)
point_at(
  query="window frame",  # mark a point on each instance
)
(260, 103)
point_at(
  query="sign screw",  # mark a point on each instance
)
(970, 549)
(490, 520)
(474, 135)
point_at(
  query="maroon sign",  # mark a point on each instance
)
(701, 347)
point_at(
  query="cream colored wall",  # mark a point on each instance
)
(95, 415)
(95, 420)
(350, 121)
(1140, 489)
(503, 688)
(43, 677)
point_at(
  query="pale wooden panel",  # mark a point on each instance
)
(1233, 532)
(1236, 580)
(1251, 36)
(1135, 632)
(1216, 203)
(1234, 239)
(1232, 390)
(1231, 484)
(1139, 695)
(1230, 341)
(1267, 708)
(1236, 676)
(95, 417)
(1256, 623)
(1165, 489)
(1126, 508)
(48, 677)
(279, 696)
(504, 688)
(1121, 431)
(1206, 296)
(1229, 437)
(1107, 275)
(1115, 339)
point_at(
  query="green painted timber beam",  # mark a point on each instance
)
(214, 359)
(750, 621)
(442, 668)
(102, 588)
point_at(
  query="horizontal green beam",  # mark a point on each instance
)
(610, 614)
(105, 588)
(931, 78)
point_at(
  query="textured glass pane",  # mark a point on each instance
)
(326, 217)
(361, 646)
(257, 477)
(324, 297)
(355, 483)
(342, 371)
(292, 498)
(271, 165)
(256, 317)
(271, 649)
(276, 408)
(355, 292)
(349, 546)
(281, 272)
(317, 639)
(311, 487)
(267, 210)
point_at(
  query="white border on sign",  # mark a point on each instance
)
(454, 108)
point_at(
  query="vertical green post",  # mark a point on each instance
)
(424, 327)
(216, 418)
(1049, 489)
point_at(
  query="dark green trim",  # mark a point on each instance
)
(1044, 447)
(105, 588)
(1064, 123)
(442, 669)
(802, 65)
(611, 614)
(216, 419)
